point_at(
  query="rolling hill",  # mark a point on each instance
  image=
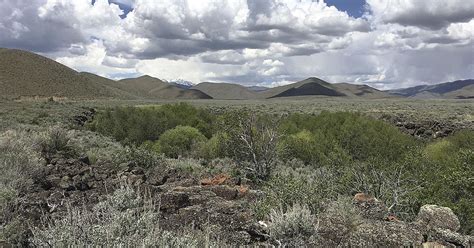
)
(110, 85)
(225, 91)
(27, 74)
(150, 87)
(308, 87)
(356, 90)
(317, 87)
(460, 89)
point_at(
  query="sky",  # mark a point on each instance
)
(383, 43)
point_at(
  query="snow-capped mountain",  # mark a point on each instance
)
(181, 83)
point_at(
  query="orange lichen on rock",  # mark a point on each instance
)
(243, 190)
(363, 197)
(217, 180)
(392, 218)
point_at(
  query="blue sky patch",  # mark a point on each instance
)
(354, 8)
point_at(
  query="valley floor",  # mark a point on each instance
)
(454, 114)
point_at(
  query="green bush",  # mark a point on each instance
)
(140, 156)
(178, 141)
(448, 174)
(135, 125)
(311, 148)
(359, 136)
(214, 147)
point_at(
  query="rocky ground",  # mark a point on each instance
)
(221, 203)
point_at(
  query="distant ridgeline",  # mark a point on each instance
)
(25, 74)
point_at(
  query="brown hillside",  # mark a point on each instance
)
(27, 74)
(226, 91)
(355, 90)
(317, 87)
(150, 87)
(111, 85)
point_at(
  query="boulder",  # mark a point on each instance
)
(172, 201)
(433, 216)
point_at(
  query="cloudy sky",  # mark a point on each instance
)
(383, 43)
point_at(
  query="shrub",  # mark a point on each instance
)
(56, 140)
(293, 227)
(20, 159)
(311, 148)
(302, 185)
(15, 233)
(395, 183)
(138, 155)
(124, 219)
(359, 136)
(447, 174)
(338, 220)
(252, 141)
(178, 141)
(97, 147)
(135, 125)
(213, 148)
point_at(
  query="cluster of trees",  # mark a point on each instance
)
(352, 151)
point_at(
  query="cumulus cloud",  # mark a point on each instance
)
(269, 42)
(94, 58)
(22, 26)
(432, 14)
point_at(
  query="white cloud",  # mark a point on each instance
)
(397, 42)
(95, 59)
(172, 69)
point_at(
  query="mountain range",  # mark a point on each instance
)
(460, 89)
(26, 74)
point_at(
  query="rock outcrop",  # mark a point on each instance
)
(435, 226)
(222, 204)
(440, 225)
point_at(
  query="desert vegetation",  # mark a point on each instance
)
(143, 168)
(351, 150)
